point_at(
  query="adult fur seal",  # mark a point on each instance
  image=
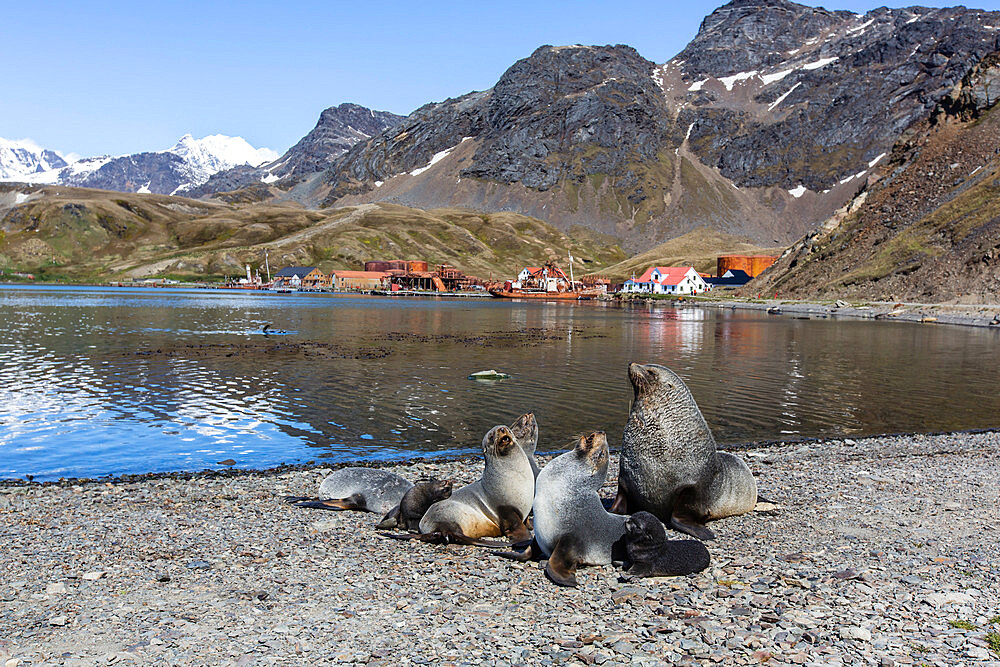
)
(415, 503)
(572, 528)
(493, 506)
(669, 462)
(364, 489)
(651, 554)
(525, 430)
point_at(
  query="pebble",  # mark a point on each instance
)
(875, 549)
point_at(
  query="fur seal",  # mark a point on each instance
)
(572, 528)
(414, 504)
(363, 489)
(669, 462)
(493, 506)
(651, 554)
(525, 430)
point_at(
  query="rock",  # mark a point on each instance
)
(855, 632)
(94, 576)
(57, 588)
(58, 621)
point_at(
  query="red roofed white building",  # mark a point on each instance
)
(668, 280)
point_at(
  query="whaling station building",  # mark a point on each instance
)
(392, 275)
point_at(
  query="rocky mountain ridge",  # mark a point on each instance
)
(767, 123)
(337, 130)
(927, 226)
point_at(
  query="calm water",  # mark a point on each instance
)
(96, 381)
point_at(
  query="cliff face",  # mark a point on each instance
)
(927, 228)
(764, 125)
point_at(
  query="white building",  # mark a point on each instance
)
(668, 280)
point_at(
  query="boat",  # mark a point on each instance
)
(549, 283)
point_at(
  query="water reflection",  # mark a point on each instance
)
(99, 381)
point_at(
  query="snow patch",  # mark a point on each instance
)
(696, 86)
(782, 98)
(730, 81)
(144, 190)
(437, 158)
(823, 62)
(688, 135)
(876, 160)
(378, 184)
(270, 178)
(20, 197)
(798, 191)
(777, 76)
(861, 28)
(916, 17)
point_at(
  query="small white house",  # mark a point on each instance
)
(668, 280)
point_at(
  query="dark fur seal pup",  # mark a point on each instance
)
(572, 528)
(525, 430)
(651, 554)
(495, 505)
(669, 462)
(363, 489)
(414, 505)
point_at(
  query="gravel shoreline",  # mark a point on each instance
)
(971, 315)
(883, 551)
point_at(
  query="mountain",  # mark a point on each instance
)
(20, 159)
(762, 127)
(188, 163)
(83, 234)
(927, 226)
(338, 129)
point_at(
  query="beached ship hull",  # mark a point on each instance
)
(575, 295)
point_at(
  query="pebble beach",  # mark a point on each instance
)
(880, 551)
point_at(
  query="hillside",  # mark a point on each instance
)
(762, 127)
(81, 234)
(927, 229)
(699, 248)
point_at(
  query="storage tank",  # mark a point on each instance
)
(416, 266)
(396, 265)
(754, 265)
(377, 266)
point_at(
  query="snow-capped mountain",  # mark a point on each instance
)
(23, 157)
(187, 164)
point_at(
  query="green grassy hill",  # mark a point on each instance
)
(699, 248)
(92, 235)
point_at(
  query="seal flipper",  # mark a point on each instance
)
(561, 568)
(533, 552)
(447, 537)
(512, 524)
(390, 520)
(687, 524)
(620, 505)
(352, 502)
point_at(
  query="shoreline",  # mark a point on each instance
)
(984, 315)
(881, 551)
(227, 472)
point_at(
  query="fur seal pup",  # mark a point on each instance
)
(669, 462)
(651, 554)
(493, 506)
(525, 430)
(572, 528)
(414, 504)
(363, 489)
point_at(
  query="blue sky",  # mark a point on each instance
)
(121, 77)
